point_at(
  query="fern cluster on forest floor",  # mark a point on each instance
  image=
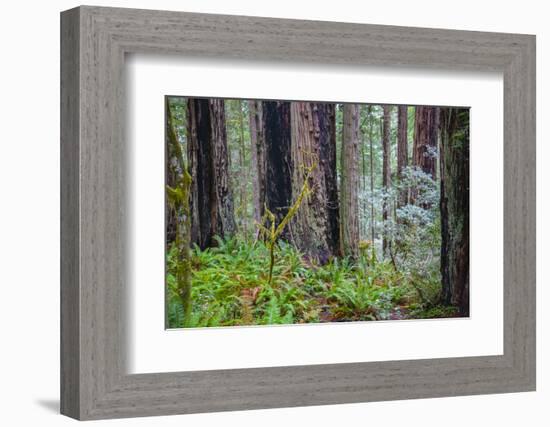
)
(230, 287)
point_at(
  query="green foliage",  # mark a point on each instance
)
(240, 162)
(274, 230)
(436, 312)
(178, 198)
(416, 229)
(178, 110)
(230, 287)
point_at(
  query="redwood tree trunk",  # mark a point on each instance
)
(315, 227)
(198, 155)
(257, 157)
(173, 172)
(454, 205)
(386, 171)
(425, 139)
(402, 147)
(222, 211)
(349, 209)
(211, 199)
(277, 141)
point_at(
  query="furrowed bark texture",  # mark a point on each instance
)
(315, 227)
(277, 140)
(349, 208)
(222, 209)
(172, 173)
(454, 205)
(257, 152)
(425, 139)
(200, 168)
(211, 199)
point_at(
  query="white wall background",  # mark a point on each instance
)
(29, 215)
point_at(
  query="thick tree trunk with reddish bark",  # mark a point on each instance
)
(222, 211)
(454, 205)
(349, 208)
(257, 150)
(386, 171)
(211, 199)
(198, 155)
(315, 227)
(277, 141)
(425, 139)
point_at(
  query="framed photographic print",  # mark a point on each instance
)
(261, 213)
(309, 247)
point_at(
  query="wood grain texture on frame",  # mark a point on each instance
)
(94, 234)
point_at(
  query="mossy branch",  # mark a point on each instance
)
(273, 232)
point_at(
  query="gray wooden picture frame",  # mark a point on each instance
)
(94, 382)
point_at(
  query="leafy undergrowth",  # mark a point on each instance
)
(230, 288)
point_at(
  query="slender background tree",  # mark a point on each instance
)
(402, 149)
(257, 150)
(349, 218)
(386, 174)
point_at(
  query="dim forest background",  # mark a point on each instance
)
(297, 212)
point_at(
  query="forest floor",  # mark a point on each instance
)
(230, 287)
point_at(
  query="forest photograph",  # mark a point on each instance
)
(295, 212)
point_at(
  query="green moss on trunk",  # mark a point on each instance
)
(455, 206)
(178, 198)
